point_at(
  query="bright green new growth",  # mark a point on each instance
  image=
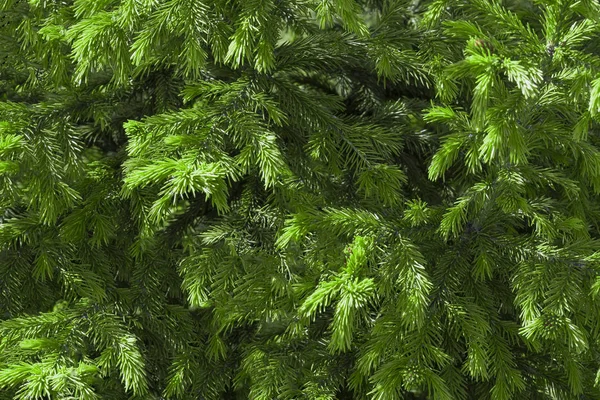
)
(299, 199)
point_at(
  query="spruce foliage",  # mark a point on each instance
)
(299, 199)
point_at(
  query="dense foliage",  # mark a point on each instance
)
(299, 199)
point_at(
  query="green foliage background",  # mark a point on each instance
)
(299, 199)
